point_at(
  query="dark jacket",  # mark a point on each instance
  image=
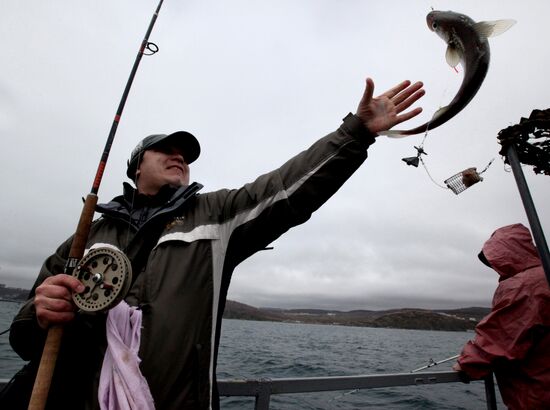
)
(514, 339)
(181, 284)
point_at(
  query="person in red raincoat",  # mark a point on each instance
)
(513, 341)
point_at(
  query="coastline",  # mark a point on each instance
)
(464, 319)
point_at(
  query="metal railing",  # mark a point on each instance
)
(263, 389)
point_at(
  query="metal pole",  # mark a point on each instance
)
(534, 222)
(490, 394)
(263, 396)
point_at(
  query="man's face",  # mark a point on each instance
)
(162, 164)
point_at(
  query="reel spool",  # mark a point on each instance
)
(106, 274)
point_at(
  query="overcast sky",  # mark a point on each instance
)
(257, 82)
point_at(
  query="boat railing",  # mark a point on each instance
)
(263, 389)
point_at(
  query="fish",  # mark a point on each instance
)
(468, 45)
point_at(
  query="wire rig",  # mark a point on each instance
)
(531, 140)
(457, 183)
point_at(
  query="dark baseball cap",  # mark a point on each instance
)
(181, 139)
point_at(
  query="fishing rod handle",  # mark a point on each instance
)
(53, 341)
(82, 231)
(44, 375)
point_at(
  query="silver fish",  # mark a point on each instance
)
(466, 44)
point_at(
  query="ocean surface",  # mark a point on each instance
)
(257, 350)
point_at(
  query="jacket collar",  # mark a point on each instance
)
(137, 200)
(168, 198)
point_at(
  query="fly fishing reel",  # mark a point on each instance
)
(106, 274)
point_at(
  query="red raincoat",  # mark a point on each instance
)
(514, 339)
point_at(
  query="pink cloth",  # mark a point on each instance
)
(121, 384)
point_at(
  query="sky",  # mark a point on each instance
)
(258, 82)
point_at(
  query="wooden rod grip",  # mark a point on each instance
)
(83, 229)
(44, 375)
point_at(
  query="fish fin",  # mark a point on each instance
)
(438, 113)
(452, 56)
(493, 28)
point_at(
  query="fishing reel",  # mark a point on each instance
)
(106, 274)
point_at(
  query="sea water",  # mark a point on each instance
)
(255, 350)
(280, 350)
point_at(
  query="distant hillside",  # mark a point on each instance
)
(13, 294)
(423, 319)
(476, 313)
(236, 310)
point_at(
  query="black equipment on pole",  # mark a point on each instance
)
(517, 149)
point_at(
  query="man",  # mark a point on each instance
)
(184, 247)
(514, 339)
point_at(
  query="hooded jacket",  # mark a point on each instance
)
(514, 339)
(183, 251)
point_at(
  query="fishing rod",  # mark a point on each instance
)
(76, 266)
(434, 363)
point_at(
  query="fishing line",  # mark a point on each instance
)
(132, 204)
(420, 149)
(458, 182)
(429, 175)
(127, 241)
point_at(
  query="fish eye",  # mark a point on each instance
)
(434, 25)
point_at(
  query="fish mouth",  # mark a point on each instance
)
(429, 21)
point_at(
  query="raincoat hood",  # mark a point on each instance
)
(510, 250)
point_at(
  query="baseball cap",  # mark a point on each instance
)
(182, 139)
